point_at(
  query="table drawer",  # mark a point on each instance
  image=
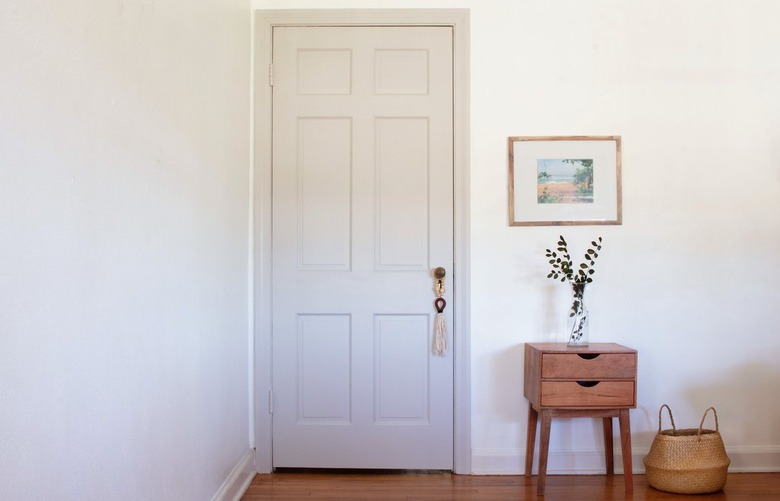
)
(587, 394)
(589, 365)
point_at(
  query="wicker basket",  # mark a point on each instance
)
(687, 461)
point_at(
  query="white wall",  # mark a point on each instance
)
(124, 202)
(690, 278)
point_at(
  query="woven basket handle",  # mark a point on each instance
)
(705, 416)
(671, 418)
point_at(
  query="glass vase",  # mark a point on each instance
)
(577, 325)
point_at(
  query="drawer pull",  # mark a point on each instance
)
(588, 384)
(588, 356)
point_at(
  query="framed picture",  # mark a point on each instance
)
(564, 180)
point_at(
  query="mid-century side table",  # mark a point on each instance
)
(597, 381)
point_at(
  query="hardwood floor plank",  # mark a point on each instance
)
(438, 486)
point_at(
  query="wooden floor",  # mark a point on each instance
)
(437, 486)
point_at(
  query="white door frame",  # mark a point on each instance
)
(265, 21)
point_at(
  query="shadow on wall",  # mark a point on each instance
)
(748, 410)
(747, 403)
(508, 367)
(552, 308)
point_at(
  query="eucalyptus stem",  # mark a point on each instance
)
(563, 265)
(562, 268)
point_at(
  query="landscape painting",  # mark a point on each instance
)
(564, 181)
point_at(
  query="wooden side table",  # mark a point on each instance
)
(594, 381)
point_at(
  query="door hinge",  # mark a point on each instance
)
(271, 74)
(270, 401)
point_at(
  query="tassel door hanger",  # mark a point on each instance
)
(439, 324)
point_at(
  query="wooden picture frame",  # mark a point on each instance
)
(565, 180)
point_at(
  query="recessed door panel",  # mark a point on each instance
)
(401, 71)
(402, 193)
(324, 190)
(324, 369)
(322, 71)
(402, 381)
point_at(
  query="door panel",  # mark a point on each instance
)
(362, 212)
(401, 193)
(324, 200)
(398, 366)
(323, 383)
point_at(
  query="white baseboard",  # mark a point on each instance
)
(744, 459)
(239, 479)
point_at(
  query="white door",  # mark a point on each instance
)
(362, 214)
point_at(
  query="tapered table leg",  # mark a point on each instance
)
(608, 447)
(544, 446)
(625, 445)
(530, 439)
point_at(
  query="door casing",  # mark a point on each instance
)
(260, 386)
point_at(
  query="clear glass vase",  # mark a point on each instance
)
(577, 325)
